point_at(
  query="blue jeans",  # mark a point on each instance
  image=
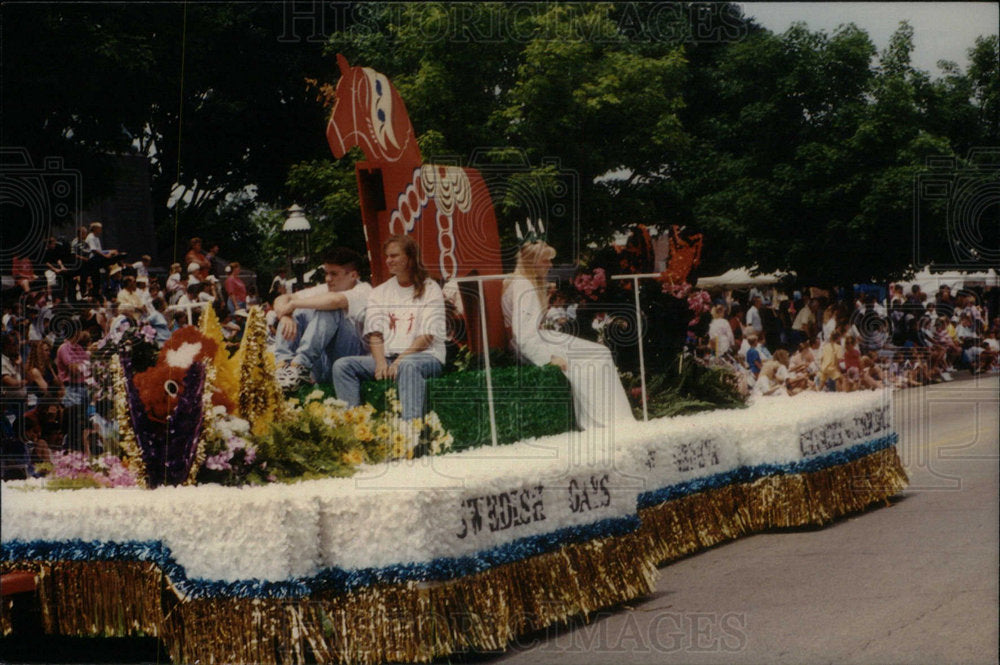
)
(322, 337)
(414, 370)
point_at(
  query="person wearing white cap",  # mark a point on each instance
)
(194, 272)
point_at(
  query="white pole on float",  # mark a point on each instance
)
(479, 279)
(638, 328)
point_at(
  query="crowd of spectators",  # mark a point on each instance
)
(835, 341)
(63, 317)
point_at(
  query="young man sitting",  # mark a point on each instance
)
(318, 325)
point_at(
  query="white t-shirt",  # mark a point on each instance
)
(357, 300)
(393, 311)
(94, 243)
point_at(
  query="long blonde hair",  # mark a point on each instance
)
(528, 257)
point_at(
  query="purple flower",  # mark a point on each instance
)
(220, 462)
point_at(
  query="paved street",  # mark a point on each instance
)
(915, 582)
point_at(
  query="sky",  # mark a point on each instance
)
(942, 30)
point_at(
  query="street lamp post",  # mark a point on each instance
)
(297, 229)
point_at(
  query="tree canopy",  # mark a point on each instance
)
(798, 151)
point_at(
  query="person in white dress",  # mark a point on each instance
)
(598, 395)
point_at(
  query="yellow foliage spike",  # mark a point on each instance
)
(227, 370)
(260, 399)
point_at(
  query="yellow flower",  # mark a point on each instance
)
(354, 456)
(363, 432)
(399, 447)
(383, 431)
(316, 409)
(349, 416)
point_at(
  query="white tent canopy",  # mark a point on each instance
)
(930, 282)
(738, 278)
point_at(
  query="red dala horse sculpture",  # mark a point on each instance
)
(447, 209)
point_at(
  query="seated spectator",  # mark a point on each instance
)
(176, 286)
(196, 274)
(768, 382)
(802, 368)
(850, 364)
(23, 272)
(871, 377)
(129, 295)
(252, 297)
(14, 392)
(113, 284)
(141, 266)
(42, 379)
(158, 320)
(37, 447)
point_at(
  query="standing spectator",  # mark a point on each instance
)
(754, 321)
(944, 303)
(720, 333)
(94, 243)
(73, 366)
(218, 265)
(754, 359)
(771, 325)
(236, 289)
(736, 321)
(196, 255)
(804, 325)
(829, 364)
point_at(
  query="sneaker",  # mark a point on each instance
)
(291, 377)
(946, 376)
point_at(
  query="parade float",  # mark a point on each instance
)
(425, 545)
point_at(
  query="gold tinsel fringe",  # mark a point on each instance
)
(412, 622)
(683, 526)
(417, 622)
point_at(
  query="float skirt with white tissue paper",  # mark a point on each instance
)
(412, 560)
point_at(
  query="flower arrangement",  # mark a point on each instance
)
(230, 453)
(74, 470)
(591, 285)
(699, 302)
(320, 437)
